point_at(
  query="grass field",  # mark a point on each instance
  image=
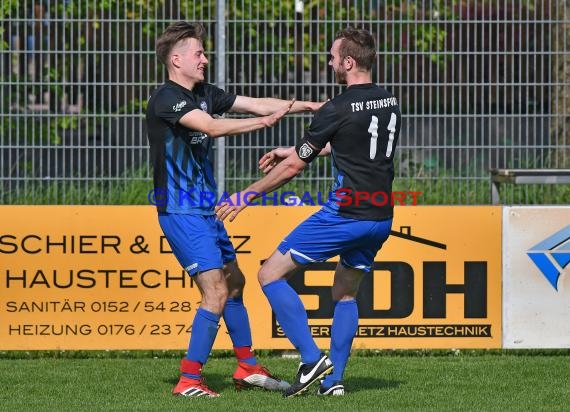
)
(473, 381)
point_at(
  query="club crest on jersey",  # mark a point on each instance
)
(204, 106)
(305, 151)
(178, 106)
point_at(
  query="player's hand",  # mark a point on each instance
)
(272, 119)
(233, 206)
(271, 159)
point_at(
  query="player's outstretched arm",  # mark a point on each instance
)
(286, 170)
(216, 127)
(271, 159)
(262, 106)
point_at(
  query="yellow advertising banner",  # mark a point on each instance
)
(104, 277)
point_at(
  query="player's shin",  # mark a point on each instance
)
(344, 326)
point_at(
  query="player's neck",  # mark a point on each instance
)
(358, 78)
(182, 81)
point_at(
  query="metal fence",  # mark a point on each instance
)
(482, 84)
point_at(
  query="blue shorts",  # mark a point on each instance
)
(324, 235)
(199, 242)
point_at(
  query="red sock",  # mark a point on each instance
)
(245, 354)
(191, 369)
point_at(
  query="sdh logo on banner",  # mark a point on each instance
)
(435, 294)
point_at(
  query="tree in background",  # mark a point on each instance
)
(94, 59)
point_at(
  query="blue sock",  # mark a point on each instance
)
(344, 326)
(292, 317)
(237, 322)
(204, 331)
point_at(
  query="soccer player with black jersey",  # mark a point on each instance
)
(359, 129)
(181, 128)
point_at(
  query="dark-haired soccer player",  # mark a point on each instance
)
(181, 129)
(359, 129)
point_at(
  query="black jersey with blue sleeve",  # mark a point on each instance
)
(362, 125)
(183, 173)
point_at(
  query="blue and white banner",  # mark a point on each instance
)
(536, 277)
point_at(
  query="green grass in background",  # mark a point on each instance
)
(132, 188)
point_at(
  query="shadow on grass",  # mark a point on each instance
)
(363, 383)
(352, 384)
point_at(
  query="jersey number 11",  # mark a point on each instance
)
(373, 130)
